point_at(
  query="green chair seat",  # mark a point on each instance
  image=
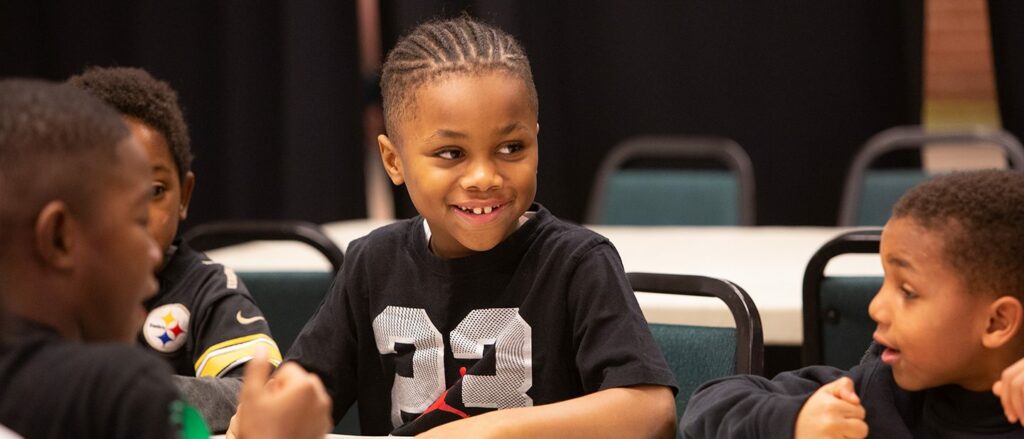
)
(846, 327)
(667, 189)
(837, 327)
(288, 299)
(698, 354)
(671, 197)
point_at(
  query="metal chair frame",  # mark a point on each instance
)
(724, 150)
(853, 242)
(225, 233)
(910, 137)
(749, 334)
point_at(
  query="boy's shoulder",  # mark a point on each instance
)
(191, 276)
(556, 230)
(39, 350)
(385, 238)
(48, 377)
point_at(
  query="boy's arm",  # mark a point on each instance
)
(228, 326)
(747, 406)
(215, 398)
(639, 411)
(327, 344)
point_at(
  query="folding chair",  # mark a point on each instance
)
(869, 194)
(837, 327)
(698, 354)
(288, 299)
(674, 196)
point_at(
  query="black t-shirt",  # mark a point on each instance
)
(51, 387)
(545, 316)
(753, 407)
(203, 320)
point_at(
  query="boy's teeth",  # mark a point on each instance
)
(478, 210)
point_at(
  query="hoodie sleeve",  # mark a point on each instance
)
(748, 406)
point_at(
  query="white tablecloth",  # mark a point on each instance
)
(767, 262)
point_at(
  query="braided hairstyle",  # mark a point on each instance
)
(981, 215)
(439, 48)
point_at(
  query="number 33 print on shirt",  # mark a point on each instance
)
(502, 328)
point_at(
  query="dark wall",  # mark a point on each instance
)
(1006, 18)
(801, 85)
(271, 91)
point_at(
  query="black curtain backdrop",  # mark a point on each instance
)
(800, 84)
(1006, 18)
(271, 91)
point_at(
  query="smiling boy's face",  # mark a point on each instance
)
(930, 323)
(468, 156)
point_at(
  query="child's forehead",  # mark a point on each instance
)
(908, 240)
(468, 96)
(154, 143)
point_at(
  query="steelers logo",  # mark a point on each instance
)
(166, 327)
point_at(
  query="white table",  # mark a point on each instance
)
(767, 262)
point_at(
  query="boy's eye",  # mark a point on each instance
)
(449, 154)
(907, 294)
(158, 190)
(510, 148)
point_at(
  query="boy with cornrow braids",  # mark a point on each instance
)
(485, 316)
(203, 321)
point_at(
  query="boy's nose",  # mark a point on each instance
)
(153, 252)
(482, 175)
(877, 309)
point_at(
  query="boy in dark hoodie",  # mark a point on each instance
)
(949, 317)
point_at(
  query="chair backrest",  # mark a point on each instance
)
(698, 354)
(674, 196)
(837, 328)
(868, 195)
(218, 234)
(287, 299)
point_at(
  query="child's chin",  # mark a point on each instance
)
(482, 245)
(908, 383)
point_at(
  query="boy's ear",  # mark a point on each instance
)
(186, 194)
(55, 235)
(392, 162)
(1004, 322)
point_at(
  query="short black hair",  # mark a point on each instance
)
(981, 215)
(56, 142)
(438, 48)
(136, 93)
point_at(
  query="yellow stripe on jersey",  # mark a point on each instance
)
(223, 356)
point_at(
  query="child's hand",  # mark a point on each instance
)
(834, 411)
(294, 404)
(1010, 390)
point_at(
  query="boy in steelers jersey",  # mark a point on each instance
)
(77, 261)
(203, 320)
